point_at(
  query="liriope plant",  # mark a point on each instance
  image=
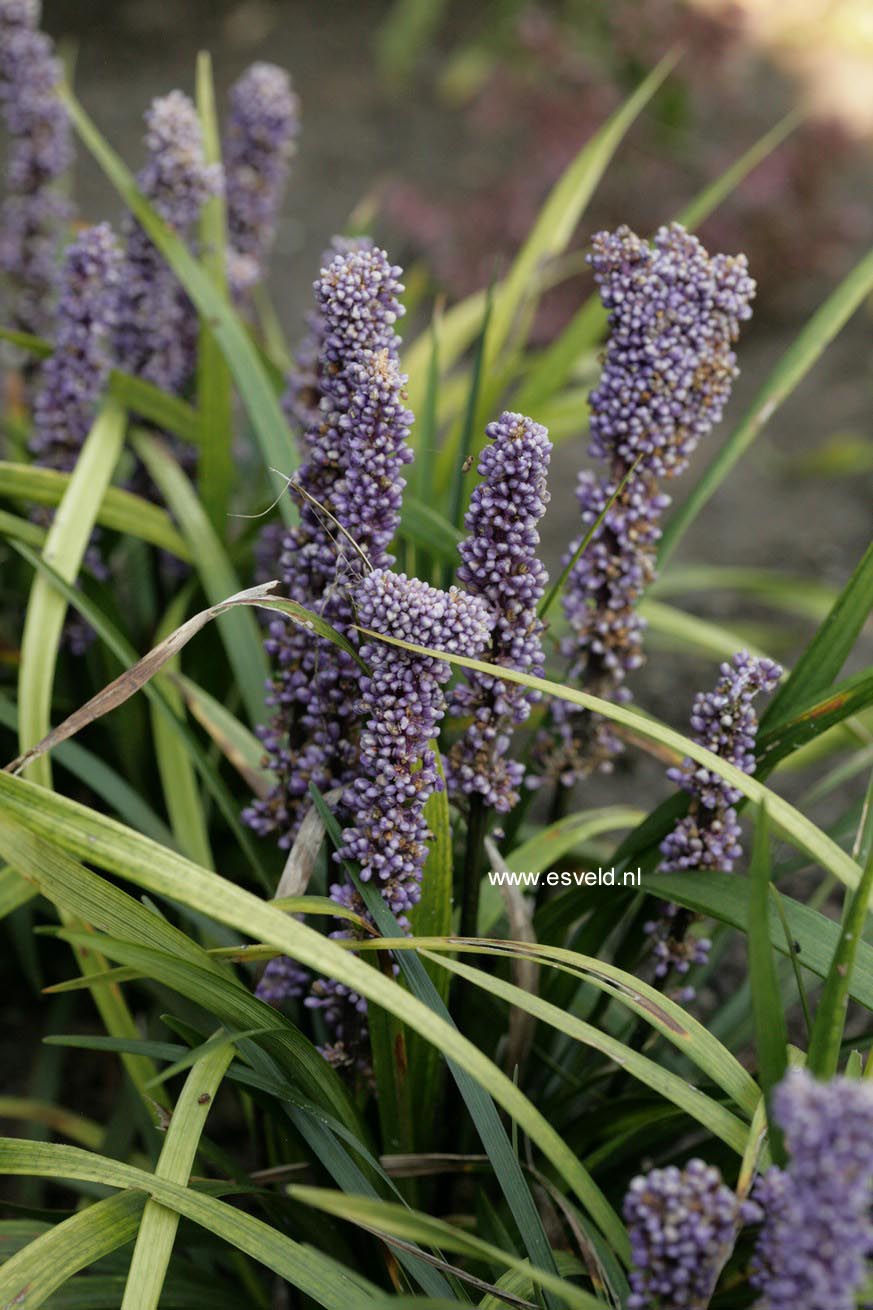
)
(275, 900)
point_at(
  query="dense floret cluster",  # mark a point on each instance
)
(708, 837)
(350, 486)
(682, 1225)
(724, 721)
(260, 142)
(403, 698)
(674, 312)
(156, 336)
(74, 376)
(303, 390)
(35, 212)
(817, 1235)
(499, 563)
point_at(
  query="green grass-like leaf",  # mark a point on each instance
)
(395, 1221)
(327, 1282)
(239, 631)
(215, 467)
(771, 1031)
(65, 546)
(118, 849)
(46, 1263)
(118, 510)
(830, 1018)
(157, 1229)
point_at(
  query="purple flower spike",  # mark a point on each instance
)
(674, 312)
(724, 722)
(817, 1235)
(157, 331)
(260, 144)
(682, 1226)
(40, 152)
(75, 375)
(303, 392)
(403, 698)
(350, 486)
(282, 980)
(73, 378)
(500, 564)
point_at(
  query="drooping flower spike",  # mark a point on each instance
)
(403, 698)
(387, 834)
(404, 702)
(499, 563)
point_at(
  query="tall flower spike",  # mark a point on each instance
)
(403, 697)
(40, 152)
(674, 312)
(499, 563)
(260, 143)
(350, 486)
(404, 701)
(817, 1235)
(397, 773)
(156, 337)
(74, 376)
(303, 391)
(724, 721)
(682, 1225)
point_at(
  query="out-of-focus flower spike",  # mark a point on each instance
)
(260, 143)
(817, 1236)
(73, 378)
(35, 212)
(156, 338)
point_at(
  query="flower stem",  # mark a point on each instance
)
(474, 859)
